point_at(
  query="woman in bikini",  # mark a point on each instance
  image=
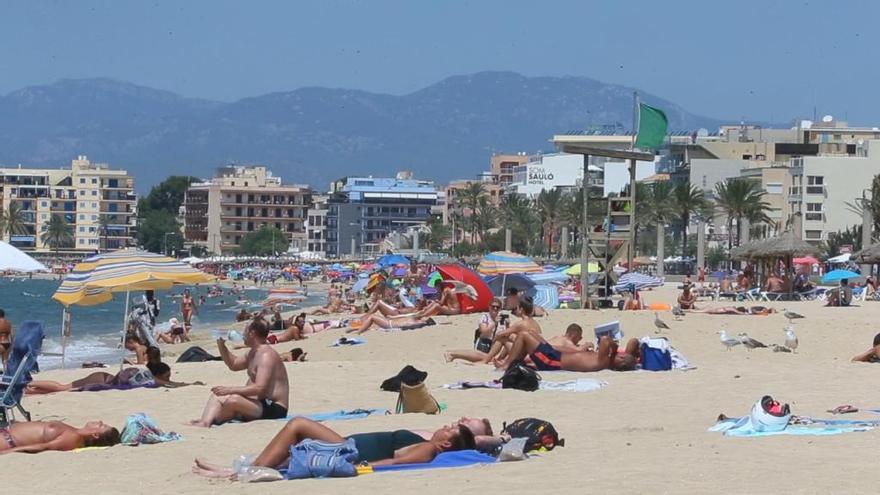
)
(32, 437)
(187, 306)
(382, 448)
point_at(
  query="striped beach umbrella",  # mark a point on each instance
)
(94, 280)
(502, 262)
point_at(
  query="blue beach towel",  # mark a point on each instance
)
(349, 341)
(742, 427)
(460, 458)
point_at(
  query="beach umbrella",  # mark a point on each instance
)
(13, 259)
(805, 260)
(391, 260)
(575, 270)
(499, 283)
(461, 273)
(96, 279)
(636, 280)
(433, 278)
(501, 262)
(558, 276)
(546, 296)
(838, 275)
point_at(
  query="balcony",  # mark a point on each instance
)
(816, 190)
(117, 196)
(814, 217)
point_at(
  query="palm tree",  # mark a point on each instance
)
(103, 228)
(517, 213)
(485, 217)
(740, 198)
(660, 208)
(550, 205)
(688, 200)
(12, 222)
(58, 233)
(469, 198)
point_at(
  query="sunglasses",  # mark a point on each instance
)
(496, 307)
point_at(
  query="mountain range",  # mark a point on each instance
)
(311, 135)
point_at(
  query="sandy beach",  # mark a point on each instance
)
(644, 433)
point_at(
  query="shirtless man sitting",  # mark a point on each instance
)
(775, 283)
(448, 304)
(687, 299)
(266, 395)
(547, 358)
(504, 339)
(33, 437)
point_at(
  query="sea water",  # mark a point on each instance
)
(96, 330)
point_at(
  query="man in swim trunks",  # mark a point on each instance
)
(504, 339)
(546, 358)
(687, 298)
(33, 437)
(5, 338)
(265, 395)
(381, 448)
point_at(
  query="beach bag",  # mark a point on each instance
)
(769, 415)
(316, 459)
(196, 354)
(655, 355)
(482, 345)
(539, 434)
(521, 377)
(416, 399)
(408, 375)
(141, 429)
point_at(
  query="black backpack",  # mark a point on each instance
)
(540, 433)
(196, 354)
(408, 375)
(520, 377)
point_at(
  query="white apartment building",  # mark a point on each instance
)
(83, 195)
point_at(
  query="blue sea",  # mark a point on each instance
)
(96, 330)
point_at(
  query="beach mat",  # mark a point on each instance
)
(742, 427)
(340, 415)
(460, 458)
(578, 385)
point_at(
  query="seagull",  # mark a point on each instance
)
(659, 324)
(728, 341)
(791, 340)
(677, 312)
(791, 315)
(749, 342)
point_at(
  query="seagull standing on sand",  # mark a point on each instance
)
(677, 312)
(749, 342)
(791, 340)
(728, 341)
(659, 324)
(791, 315)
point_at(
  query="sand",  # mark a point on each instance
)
(644, 433)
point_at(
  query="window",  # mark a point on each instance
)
(82, 241)
(43, 216)
(94, 193)
(95, 205)
(82, 217)
(82, 193)
(82, 229)
(815, 180)
(92, 229)
(813, 234)
(82, 204)
(94, 180)
(82, 180)
(774, 188)
(44, 204)
(94, 217)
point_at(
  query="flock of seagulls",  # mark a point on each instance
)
(790, 344)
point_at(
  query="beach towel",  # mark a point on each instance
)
(459, 458)
(742, 427)
(578, 385)
(141, 429)
(347, 341)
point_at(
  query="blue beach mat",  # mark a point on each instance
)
(460, 458)
(339, 415)
(742, 427)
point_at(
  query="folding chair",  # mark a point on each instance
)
(22, 363)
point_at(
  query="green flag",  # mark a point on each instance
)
(652, 127)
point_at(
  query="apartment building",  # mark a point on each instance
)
(98, 202)
(501, 166)
(219, 212)
(316, 224)
(363, 211)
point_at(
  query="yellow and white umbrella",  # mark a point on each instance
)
(95, 280)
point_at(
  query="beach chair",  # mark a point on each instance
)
(21, 365)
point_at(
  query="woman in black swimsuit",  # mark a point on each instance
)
(378, 448)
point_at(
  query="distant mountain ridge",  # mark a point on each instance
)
(311, 135)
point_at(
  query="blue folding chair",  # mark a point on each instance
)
(20, 366)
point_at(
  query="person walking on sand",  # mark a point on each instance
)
(266, 395)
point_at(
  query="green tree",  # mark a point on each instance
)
(654, 205)
(437, 234)
(268, 241)
(852, 236)
(518, 214)
(689, 201)
(740, 198)
(468, 200)
(167, 195)
(550, 203)
(13, 220)
(58, 233)
(153, 226)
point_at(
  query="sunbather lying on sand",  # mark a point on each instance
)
(378, 448)
(294, 355)
(736, 310)
(157, 374)
(872, 355)
(33, 437)
(403, 322)
(481, 428)
(547, 358)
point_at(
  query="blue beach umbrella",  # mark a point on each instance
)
(838, 275)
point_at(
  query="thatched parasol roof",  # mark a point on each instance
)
(746, 251)
(870, 254)
(786, 244)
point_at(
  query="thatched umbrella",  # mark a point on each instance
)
(746, 251)
(787, 245)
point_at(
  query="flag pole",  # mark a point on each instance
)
(635, 128)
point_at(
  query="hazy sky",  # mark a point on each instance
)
(762, 60)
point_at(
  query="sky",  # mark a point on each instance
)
(764, 60)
